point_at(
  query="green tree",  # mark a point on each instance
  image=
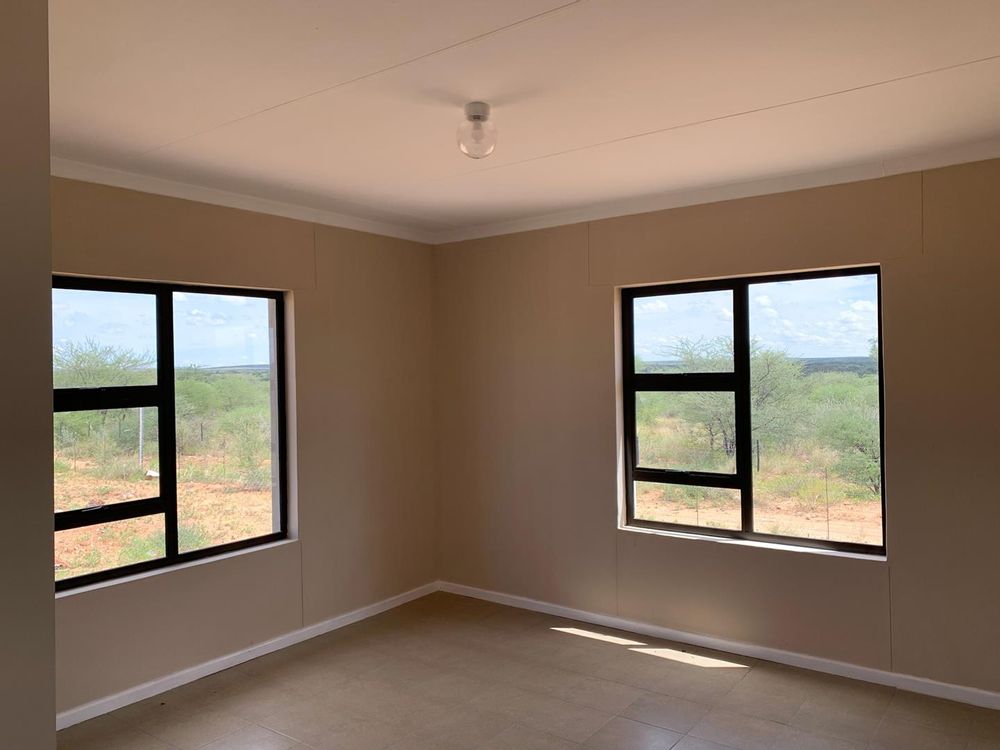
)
(777, 390)
(847, 419)
(89, 364)
(109, 439)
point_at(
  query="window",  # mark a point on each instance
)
(168, 425)
(753, 409)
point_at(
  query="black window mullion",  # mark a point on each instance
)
(679, 382)
(167, 422)
(628, 401)
(741, 365)
(689, 478)
(75, 519)
(110, 397)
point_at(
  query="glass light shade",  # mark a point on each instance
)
(477, 138)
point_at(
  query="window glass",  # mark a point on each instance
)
(772, 381)
(815, 408)
(687, 431)
(105, 456)
(105, 546)
(226, 401)
(684, 332)
(710, 507)
(102, 339)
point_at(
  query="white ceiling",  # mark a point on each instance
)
(347, 110)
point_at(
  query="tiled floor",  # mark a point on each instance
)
(450, 673)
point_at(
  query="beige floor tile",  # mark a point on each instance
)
(152, 709)
(517, 737)
(696, 743)
(604, 695)
(737, 730)
(625, 734)
(306, 721)
(668, 712)
(985, 724)
(253, 698)
(356, 734)
(111, 737)
(458, 725)
(194, 730)
(253, 738)
(545, 713)
(794, 739)
(836, 718)
(694, 683)
(935, 713)
(382, 701)
(765, 702)
(893, 734)
(87, 730)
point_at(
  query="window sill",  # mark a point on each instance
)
(172, 568)
(790, 547)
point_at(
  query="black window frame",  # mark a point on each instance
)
(162, 397)
(738, 383)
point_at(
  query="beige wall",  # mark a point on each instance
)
(526, 392)
(26, 661)
(361, 434)
(499, 354)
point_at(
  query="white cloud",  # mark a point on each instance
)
(864, 305)
(180, 297)
(198, 317)
(763, 300)
(652, 305)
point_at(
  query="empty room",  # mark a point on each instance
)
(520, 375)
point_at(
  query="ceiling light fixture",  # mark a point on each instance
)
(477, 136)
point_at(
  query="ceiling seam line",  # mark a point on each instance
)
(365, 76)
(721, 118)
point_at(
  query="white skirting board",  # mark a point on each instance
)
(973, 696)
(169, 682)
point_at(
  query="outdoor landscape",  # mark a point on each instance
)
(815, 438)
(223, 430)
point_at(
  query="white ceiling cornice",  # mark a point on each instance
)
(901, 164)
(75, 170)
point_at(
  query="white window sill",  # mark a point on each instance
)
(171, 568)
(782, 547)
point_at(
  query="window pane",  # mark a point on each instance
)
(684, 332)
(686, 431)
(710, 507)
(102, 339)
(108, 545)
(227, 438)
(815, 408)
(105, 457)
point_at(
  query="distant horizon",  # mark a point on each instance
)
(210, 330)
(834, 316)
(815, 359)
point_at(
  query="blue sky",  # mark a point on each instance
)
(829, 317)
(210, 330)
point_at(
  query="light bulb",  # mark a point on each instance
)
(477, 136)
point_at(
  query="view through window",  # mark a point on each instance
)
(167, 432)
(753, 408)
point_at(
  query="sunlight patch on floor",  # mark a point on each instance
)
(600, 636)
(695, 660)
(686, 658)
